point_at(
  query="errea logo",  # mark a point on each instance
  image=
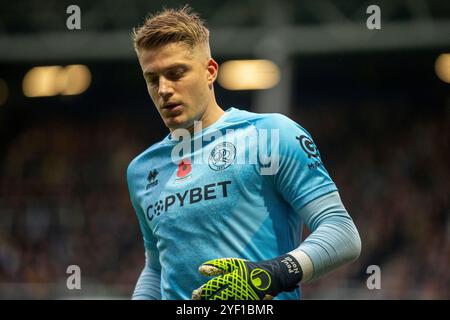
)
(151, 178)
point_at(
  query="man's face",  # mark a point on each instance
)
(179, 80)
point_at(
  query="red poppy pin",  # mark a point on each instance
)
(184, 167)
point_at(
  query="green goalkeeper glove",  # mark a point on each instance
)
(240, 279)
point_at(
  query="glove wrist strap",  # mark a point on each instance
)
(290, 271)
(286, 273)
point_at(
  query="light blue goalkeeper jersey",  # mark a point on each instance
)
(236, 193)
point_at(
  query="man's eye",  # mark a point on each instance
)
(153, 81)
(175, 74)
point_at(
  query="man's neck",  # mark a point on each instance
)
(211, 115)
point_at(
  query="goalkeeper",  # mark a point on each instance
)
(221, 228)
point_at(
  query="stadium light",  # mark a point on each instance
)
(442, 67)
(77, 79)
(248, 74)
(41, 81)
(53, 80)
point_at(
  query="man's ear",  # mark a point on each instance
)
(212, 71)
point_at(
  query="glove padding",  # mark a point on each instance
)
(240, 279)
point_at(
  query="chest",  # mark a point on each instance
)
(201, 188)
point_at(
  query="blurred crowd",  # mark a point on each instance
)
(64, 201)
(392, 170)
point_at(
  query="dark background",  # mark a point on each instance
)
(380, 117)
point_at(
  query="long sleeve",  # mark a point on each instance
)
(334, 239)
(148, 286)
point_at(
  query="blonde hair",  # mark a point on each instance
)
(171, 25)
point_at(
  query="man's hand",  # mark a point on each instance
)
(239, 279)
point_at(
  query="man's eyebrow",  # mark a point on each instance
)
(171, 67)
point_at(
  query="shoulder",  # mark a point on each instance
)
(263, 120)
(275, 121)
(135, 166)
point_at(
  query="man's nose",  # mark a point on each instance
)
(165, 88)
